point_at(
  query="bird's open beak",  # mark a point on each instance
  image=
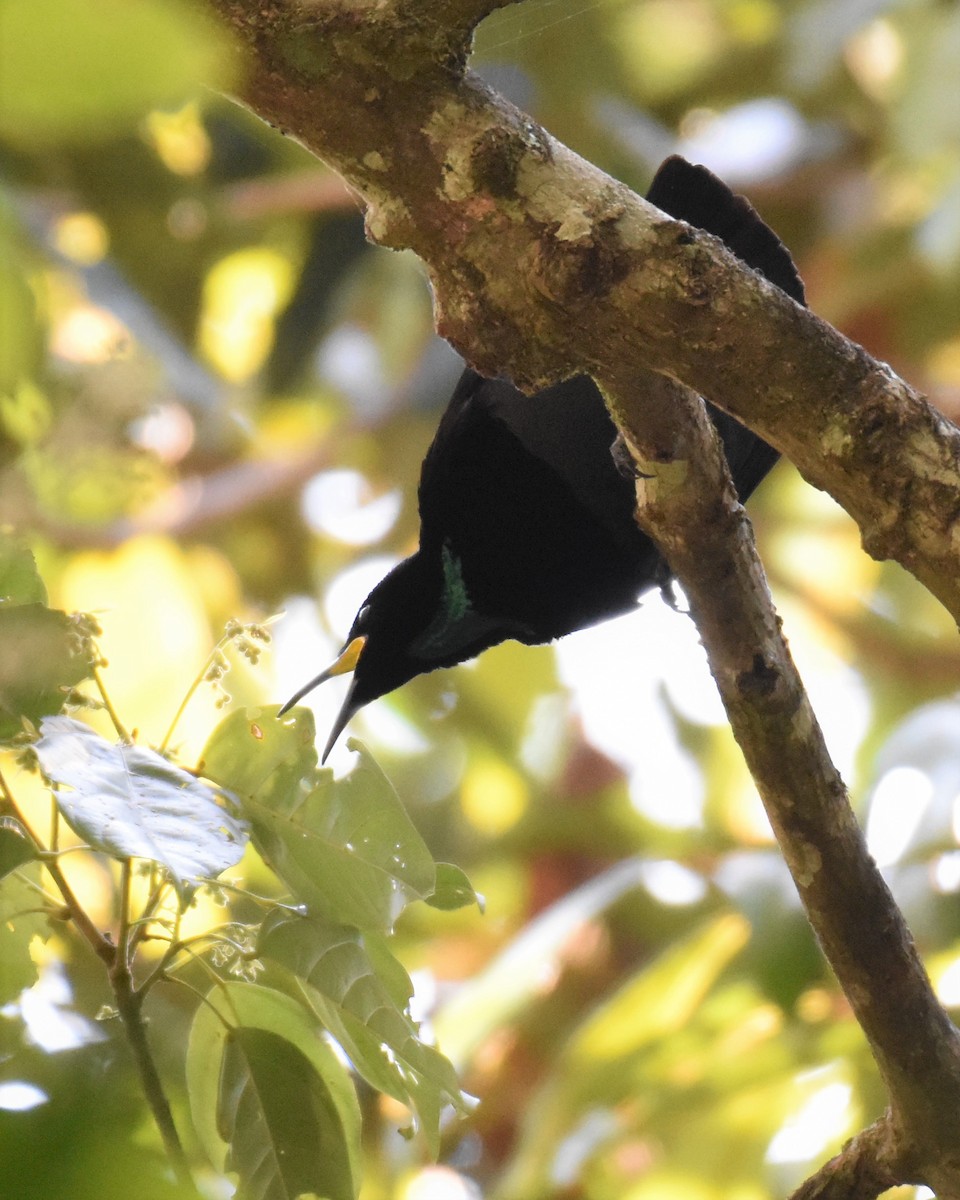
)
(348, 659)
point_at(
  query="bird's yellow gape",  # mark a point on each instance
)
(343, 665)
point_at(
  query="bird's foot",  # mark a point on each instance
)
(624, 461)
(668, 587)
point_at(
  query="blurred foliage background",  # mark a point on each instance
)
(214, 399)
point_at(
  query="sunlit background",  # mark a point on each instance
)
(214, 400)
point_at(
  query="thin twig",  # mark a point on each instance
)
(866, 1167)
(198, 679)
(130, 1009)
(101, 945)
(108, 705)
(148, 913)
(128, 1001)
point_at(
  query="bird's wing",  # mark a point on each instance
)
(693, 194)
(565, 427)
(440, 470)
(537, 552)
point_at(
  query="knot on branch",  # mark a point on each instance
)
(499, 153)
(581, 260)
(760, 680)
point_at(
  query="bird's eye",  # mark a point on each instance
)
(362, 617)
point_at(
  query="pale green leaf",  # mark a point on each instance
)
(453, 890)
(662, 997)
(257, 755)
(20, 581)
(501, 991)
(344, 984)
(598, 1064)
(344, 847)
(286, 1114)
(129, 802)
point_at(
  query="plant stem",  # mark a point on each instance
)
(188, 696)
(129, 1006)
(149, 911)
(129, 1003)
(102, 946)
(108, 705)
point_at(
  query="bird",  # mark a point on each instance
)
(527, 526)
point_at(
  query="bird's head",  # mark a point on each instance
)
(418, 617)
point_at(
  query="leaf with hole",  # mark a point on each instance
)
(345, 847)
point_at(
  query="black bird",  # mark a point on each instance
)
(527, 526)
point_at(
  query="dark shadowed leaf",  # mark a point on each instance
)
(22, 918)
(15, 847)
(270, 1098)
(43, 653)
(20, 582)
(360, 993)
(42, 656)
(130, 802)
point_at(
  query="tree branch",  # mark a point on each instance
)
(471, 183)
(867, 1166)
(687, 503)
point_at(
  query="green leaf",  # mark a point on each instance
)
(15, 847)
(347, 848)
(20, 581)
(600, 1062)
(269, 1097)
(344, 847)
(454, 890)
(129, 802)
(21, 345)
(43, 653)
(86, 69)
(252, 753)
(22, 918)
(360, 994)
(662, 997)
(500, 692)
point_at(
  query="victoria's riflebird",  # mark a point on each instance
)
(527, 526)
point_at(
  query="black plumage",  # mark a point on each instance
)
(527, 527)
